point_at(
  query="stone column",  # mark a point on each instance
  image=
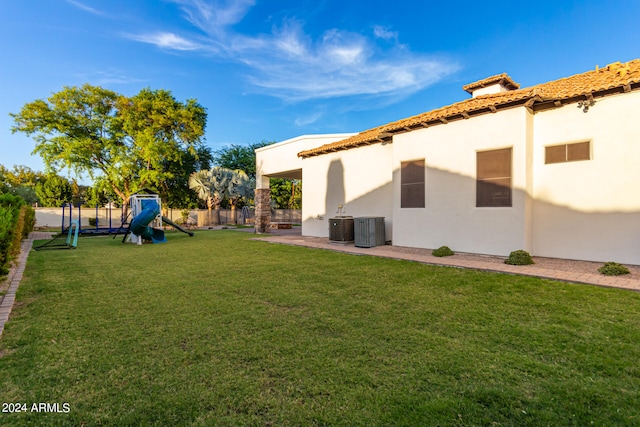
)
(263, 210)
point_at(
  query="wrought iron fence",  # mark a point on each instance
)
(52, 217)
(206, 218)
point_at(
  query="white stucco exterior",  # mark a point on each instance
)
(360, 180)
(450, 216)
(281, 159)
(588, 209)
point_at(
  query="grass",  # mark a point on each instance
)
(221, 330)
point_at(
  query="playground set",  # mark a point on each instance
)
(146, 224)
(147, 221)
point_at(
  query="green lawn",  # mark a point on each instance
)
(222, 330)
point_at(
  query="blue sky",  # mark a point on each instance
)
(273, 70)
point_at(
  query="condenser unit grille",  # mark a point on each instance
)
(369, 231)
(341, 229)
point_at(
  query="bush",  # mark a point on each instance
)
(6, 237)
(519, 257)
(11, 201)
(442, 251)
(29, 220)
(613, 269)
(16, 221)
(16, 234)
(92, 221)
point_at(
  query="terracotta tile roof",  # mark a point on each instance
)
(614, 78)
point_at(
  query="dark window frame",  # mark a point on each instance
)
(494, 174)
(569, 152)
(412, 184)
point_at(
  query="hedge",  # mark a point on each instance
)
(16, 221)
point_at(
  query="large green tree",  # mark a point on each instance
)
(242, 157)
(20, 180)
(125, 141)
(286, 193)
(20, 175)
(54, 191)
(175, 192)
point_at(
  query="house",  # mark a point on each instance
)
(553, 169)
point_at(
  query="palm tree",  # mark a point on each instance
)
(211, 187)
(217, 184)
(240, 187)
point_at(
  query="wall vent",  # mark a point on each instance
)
(369, 231)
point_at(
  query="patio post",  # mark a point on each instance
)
(263, 210)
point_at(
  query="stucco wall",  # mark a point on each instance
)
(450, 216)
(590, 209)
(586, 210)
(358, 179)
(280, 158)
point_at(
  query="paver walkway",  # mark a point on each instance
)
(476, 262)
(15, 276)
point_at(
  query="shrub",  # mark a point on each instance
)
(11, 201)
(519, 257)
(29, 220)
(16, 234)
(92, 221)
(613, 269)
(442, 251)
(16, 221)
(6, 237)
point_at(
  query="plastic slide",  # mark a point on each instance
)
(140, 224)
(176, 226)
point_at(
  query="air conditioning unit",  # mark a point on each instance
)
(369, 231)
(341, 229)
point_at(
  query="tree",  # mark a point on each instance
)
(175, 192)
(212, 186)
(124, 141)
(241, 187)
(218, 184)
(94, 196)
(4, 188)
(285, 193)
(242, 157)
(21, 181)
(21, 175)
(54, 191)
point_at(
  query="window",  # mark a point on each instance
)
(567, 152)
(493, 179)
(412, 184)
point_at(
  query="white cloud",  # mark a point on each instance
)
(167, 41)
(289, 64)
(84, 7)
(384, 33)
(290, 41)
(308, 119)
(212, 17)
